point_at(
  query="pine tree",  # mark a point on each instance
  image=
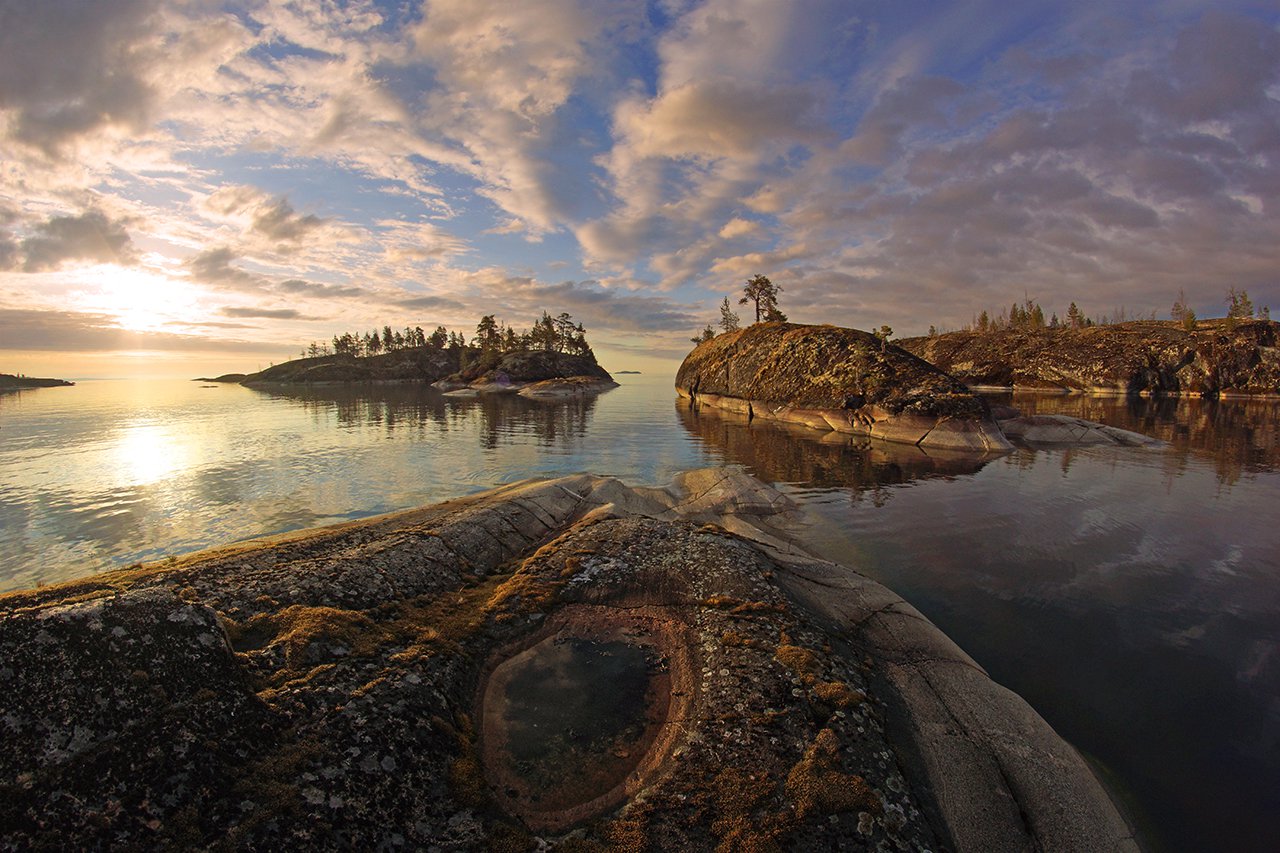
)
(707, 334)
(764, 294)
(729, 321)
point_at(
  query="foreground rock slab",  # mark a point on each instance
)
(837, 379)
(569, 664)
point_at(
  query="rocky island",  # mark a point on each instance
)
(531, 373)
(12, 382)
(838, 379)
(570, 664)
(552, 359)
(1218, 358)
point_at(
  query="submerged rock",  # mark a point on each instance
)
(571, 664)
(1064, 429)
(837, 379)
(1147, 357)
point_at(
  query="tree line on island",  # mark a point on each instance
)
(1025, 315)
(492, 337)
(1030, 315)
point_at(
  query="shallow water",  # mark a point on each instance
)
(1132, 597)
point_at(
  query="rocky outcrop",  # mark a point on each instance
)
(571, 664)
(422, 364)
(837, 379)
(10, 382)
(1133, 358)
(532, 373)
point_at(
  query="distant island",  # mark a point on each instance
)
(552, 358)
(18, 382)
(624, 372)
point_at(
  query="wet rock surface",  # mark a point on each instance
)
(837, 379)
(568, 664)
(1149, 357)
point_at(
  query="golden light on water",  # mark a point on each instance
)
(146, 453)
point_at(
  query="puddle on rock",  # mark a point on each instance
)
(575, 722)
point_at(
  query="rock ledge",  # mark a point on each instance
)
(372, 685)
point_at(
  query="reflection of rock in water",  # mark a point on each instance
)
(1239, 435)
(503, 417)
(795, 454)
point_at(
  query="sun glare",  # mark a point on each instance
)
(139, 299)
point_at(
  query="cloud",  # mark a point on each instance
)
(262, 313)
(267, 219)
(89, 236)
(506, 73)
(8, 252)
(213, 266)
(722, 118)
(311, 290)
(68, 68)
(431, 303)
(738, 227)
(598, 307)
(67, 331)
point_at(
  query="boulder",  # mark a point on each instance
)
(832, 378)
(569, 663)
(1145, 357)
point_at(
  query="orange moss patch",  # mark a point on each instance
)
(742, 824)
(300, 627)
(625, 835)
(838, 694)
(733, 638)
(798, 659)
(817, 784)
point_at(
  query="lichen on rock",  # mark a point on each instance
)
(1141, 357)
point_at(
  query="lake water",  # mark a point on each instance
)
(1132, 597)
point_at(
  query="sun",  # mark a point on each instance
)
(138, 298)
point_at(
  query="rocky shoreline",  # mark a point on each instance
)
(11, 382)
(377, 685)
(1217, 359)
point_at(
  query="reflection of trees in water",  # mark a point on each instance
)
(1239, 435)
(388, 406)
(502, 417)
(552, 422)
(790, 453)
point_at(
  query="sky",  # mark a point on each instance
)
(194, 187)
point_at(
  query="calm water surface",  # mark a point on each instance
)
(1133, 597)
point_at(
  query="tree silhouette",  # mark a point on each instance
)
(764, 294)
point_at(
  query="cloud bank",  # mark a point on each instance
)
(298, 167)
